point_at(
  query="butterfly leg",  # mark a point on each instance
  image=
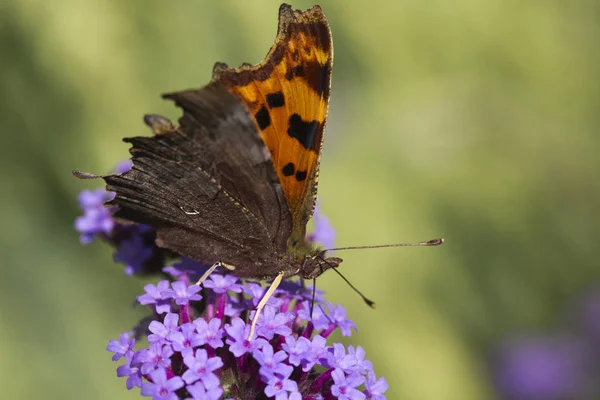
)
(212, 268)
(263, 302)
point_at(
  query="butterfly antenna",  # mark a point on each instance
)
(370, 303)
(432, 242)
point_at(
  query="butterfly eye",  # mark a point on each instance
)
(312, 267)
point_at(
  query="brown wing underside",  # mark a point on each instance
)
(288, 96)
(208, 187)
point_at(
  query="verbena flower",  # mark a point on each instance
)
(96, 219)
(587, 317)
(196, 343)
(559, 364)
(543, 367)
(134, 243)
(323, 232)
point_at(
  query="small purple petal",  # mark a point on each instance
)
(157, 356)
(96, 218)
(200, 367)
(121, 347)
(132, 371)
(162, 388)
(279, 387)
(323, 233)
(298, 290)
(187, 267)
(133, 252)
(210, 333)
(297, 350)
(344, 387)
(271, 323)
(318, 318)
(318, 353)
(160, 331)
(222, 283)
(271, 364)
(238, 333)
(375, 388)
(338, 314)
(154, 296)
(182, 293)
(186, 339)
(256, 292)
(123, 166)
(200, 392)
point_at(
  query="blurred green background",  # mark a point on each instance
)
(475, 120)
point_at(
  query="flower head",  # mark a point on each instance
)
(271, 363)
(201, 367)
(543, 368)
(344, 386)
(157, 356)
(155, 296)
(182, 293)
(133, 252)
(122, 347)
(375, 387)
(324, 234)
(160, 387)
(96, 219)
(288, 359)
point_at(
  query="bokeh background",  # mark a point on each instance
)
(475, 120)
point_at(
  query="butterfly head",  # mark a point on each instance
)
(315, 264)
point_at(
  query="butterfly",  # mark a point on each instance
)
(234, 183)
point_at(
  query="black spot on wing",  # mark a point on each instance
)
(295, 72)
(288, 169)
(301, 175)
(317, 76)
(263, 119)
(304, 132)
(275, 100)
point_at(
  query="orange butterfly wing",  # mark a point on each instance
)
(288, 95)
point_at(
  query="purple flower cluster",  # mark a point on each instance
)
(196, 337)
(323, 232)
(96, 219)
(543, 367)
(198, 348)
(134, 244)
(564, 364)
